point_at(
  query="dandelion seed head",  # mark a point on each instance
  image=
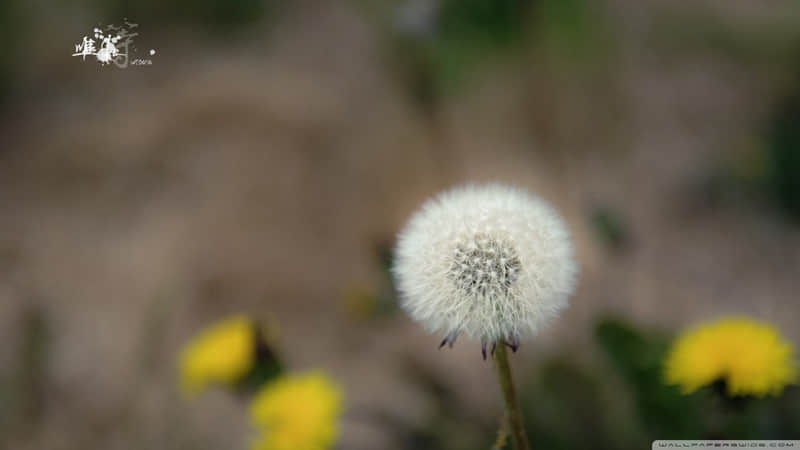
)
(489, 261)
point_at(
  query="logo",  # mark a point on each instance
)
(114, 44)
(720, 444)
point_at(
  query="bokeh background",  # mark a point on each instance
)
(266, 159)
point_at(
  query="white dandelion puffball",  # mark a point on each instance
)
(489, 261)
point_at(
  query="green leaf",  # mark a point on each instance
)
(638, 357)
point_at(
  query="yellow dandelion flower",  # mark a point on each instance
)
(750, 356)
(297, 412)
(223, 353)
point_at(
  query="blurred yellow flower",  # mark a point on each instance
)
(223, 353)
(297, 412)
(750, 356)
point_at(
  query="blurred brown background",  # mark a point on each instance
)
(266, 159)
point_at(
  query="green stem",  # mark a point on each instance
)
(513, 412)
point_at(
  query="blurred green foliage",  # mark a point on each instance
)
(438, 50)
(461, 35)
(573, 33)
(709, 413)
(363, 302)
(12, 27)
(451, 423)
(267, 365)
(387, 302)
(22, 390)
(219, 15)
(34, 356)
(566, 407)
(768, 170)
(620, 404)
(470, 30)
(783, 146)
(678, 34)
(637, 357)
(609, 227)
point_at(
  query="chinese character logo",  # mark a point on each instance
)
(112, 45)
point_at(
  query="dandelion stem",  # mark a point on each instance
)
(513, 412)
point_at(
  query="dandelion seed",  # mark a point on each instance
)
(490, 261)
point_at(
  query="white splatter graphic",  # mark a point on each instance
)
(115, 46)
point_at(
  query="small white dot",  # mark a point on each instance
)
(152, 52)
